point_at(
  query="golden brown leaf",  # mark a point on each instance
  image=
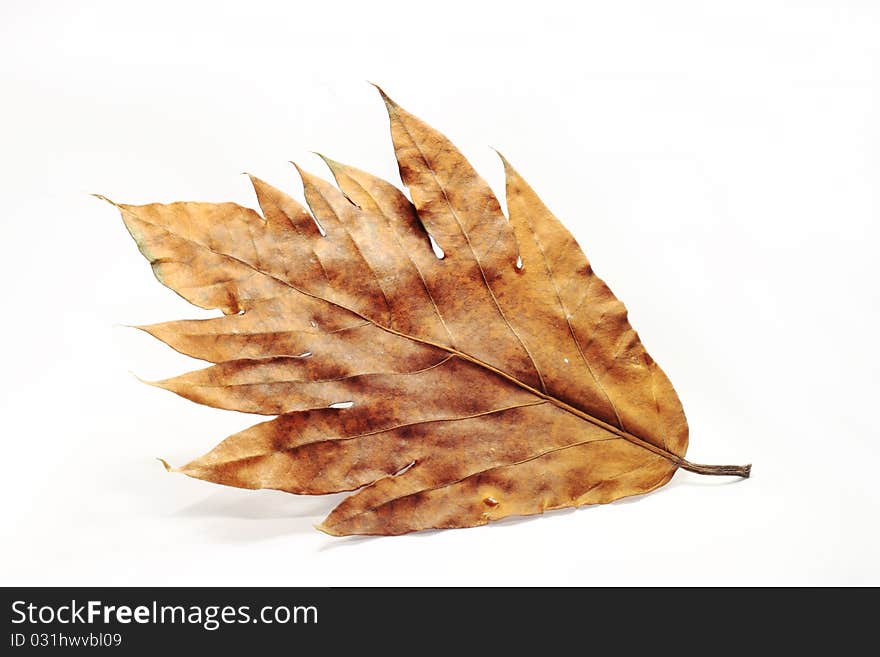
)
(501, 379)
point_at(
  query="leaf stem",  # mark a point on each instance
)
(720, 470)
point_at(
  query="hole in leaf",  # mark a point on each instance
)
(304, 354)
(436, 248)
(404, 469)
(345, 404)
(490, 501)
(519, 262)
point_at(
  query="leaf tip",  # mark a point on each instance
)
(168, 468)
(256, 183)
(304, 175)
(149, 329)
(155, 384)
(333, 165)
(339, 172)
(323, 527)
(508, 168)
(390, 104)
(308, 179)
(298, 167)
(107, 200)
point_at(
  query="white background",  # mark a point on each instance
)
(719, 162)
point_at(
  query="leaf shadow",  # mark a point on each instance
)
(335, 542)
(259, 505)
(260, 515)
(256, 531)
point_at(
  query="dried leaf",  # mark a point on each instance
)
(501, 379)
